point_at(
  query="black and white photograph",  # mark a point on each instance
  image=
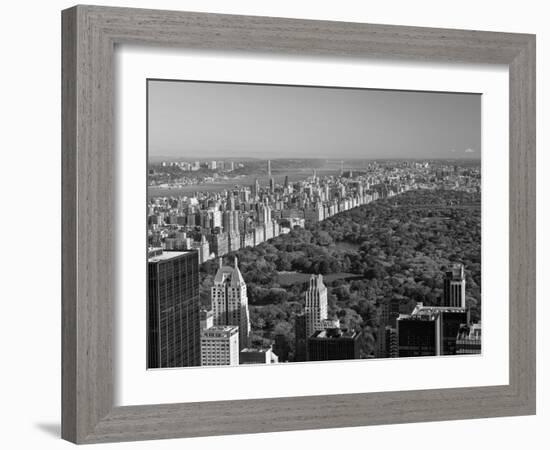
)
(297, 224)
(270, 225)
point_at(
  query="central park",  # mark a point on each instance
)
(394, 248)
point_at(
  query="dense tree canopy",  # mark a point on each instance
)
(393, 247)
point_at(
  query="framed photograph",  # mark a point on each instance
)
(278, 224)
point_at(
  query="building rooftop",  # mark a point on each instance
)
(255, 350)
(165, 256)
(422, 312)
(456, 272)
(232, 274)
(220, 330)
(421, 309)
(335, 334)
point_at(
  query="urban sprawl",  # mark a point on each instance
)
(188, 228)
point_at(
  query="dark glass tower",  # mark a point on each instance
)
(418, 335)
(173, 310)
(301, 338)
(333, 344)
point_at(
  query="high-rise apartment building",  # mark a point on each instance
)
(173, 322)
(230, 300)
(220, 346)
(219, 243)
(316, 305)
(454, 287)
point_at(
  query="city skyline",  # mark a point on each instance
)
(313, 247)
(381, 262)
(242, 121)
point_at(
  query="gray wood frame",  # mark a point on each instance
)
(89, 36)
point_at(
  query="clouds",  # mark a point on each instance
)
(469, 150)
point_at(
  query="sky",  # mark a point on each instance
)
(200, 120)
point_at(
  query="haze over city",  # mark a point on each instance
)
(187, 119)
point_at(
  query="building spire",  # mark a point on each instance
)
(236, 263)
(220, 259)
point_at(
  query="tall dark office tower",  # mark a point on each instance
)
(333, 344)
(173, 310)
(301, 338)
(418, 335)
(451, 320)
(430, 330)
(281, 347)
(454, 287)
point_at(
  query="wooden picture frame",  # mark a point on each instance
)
(89, 37)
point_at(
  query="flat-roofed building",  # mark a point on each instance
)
(333, 344)
(220, 346)
(430, 330)
(257, 356)
(468, 340)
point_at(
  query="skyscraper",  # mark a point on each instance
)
(316, 305)
(230, 301)
(451, 320)
(173, 321)
(454, 287)
(300, 338)
(256, 189)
